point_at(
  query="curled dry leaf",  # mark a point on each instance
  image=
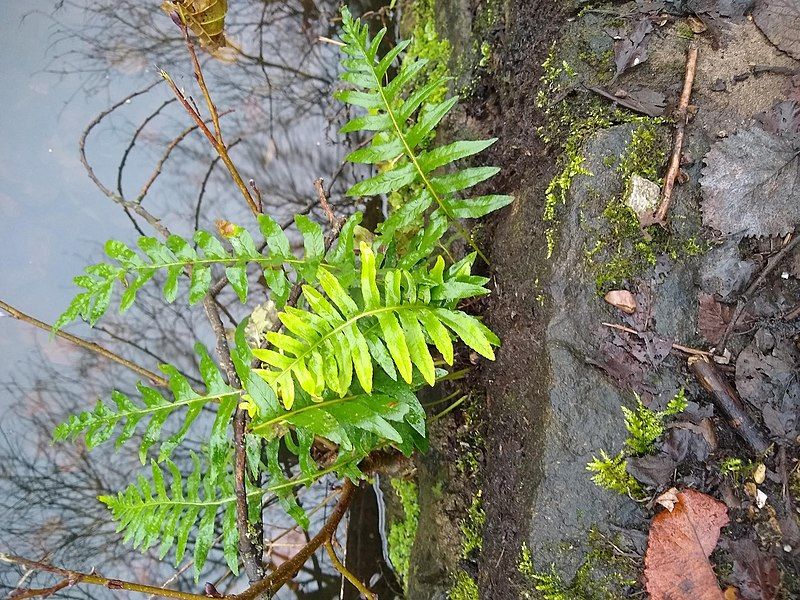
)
(668, 499)
(676, 565)
(632, 50)
(622, 299)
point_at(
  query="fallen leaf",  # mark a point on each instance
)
(654, 470)
(622, 299)
(754, 572)
(668, 499)
(676, 565)
(696, 25)
(782, 119)
(780, 22)
(769, 379)
(760, 473)
(713, 318)
(632, 50)
(750, 184)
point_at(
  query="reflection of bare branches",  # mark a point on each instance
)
(91, 346)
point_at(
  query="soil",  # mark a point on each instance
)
(552, 398)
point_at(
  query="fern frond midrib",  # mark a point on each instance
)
(114, 417)
(264, 260)
(340, 328)
(287, 415)
(305, 479)
(409, 152)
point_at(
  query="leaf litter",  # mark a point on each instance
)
(681, 540)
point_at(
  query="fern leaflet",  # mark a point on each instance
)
(177, 256)
(339, 335)
(99, 424)
(148, 513)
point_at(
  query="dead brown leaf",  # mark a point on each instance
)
(754, 572)
(676, 565)
(712, 318)
(622, 299)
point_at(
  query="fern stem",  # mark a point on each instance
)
(346, 573)
(275, 580)
(249, 552)
(86, 345)
(74, 577)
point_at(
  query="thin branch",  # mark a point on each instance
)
(71, 578)
(726, 400)
(347, 574)
(745, 298)
(275, 580)
(201, 81)
(160, 164)
(86, 345)
(216, 140)
(684, 349)
(133, 139)
(681, 118)
(248, 552)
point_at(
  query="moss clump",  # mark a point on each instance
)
(402, 533)
(581, 118)
(427, 44)
(644, 427)
(610, 472)
(603, 575)
(472, 528)
(464, 588)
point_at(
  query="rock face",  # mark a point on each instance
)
(549, 407)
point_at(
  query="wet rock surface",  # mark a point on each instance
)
(553, 397)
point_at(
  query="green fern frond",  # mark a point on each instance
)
(99, 424)
(177, 256)
(401, 123)
(149, 514)
(334, 418)
(340, 335)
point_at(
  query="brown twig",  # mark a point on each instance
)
(215, 139)
(681, 119)
(86, 345)
(275, 580)
(725, 398)
(679, 347)
(71, 578)
(339, 566)
(745, 298)
(248, 551)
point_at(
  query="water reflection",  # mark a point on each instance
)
(72, 60)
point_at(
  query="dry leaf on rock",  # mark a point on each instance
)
(770, 381)
(780, 22)
(622, 299)
(782, 119)
(754, 572)
(668, 499)
(713, 318)
(750, 184)
(632, 50)
(676, 565)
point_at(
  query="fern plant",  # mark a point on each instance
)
(400, 124)
(372, 325)
(177, 256)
